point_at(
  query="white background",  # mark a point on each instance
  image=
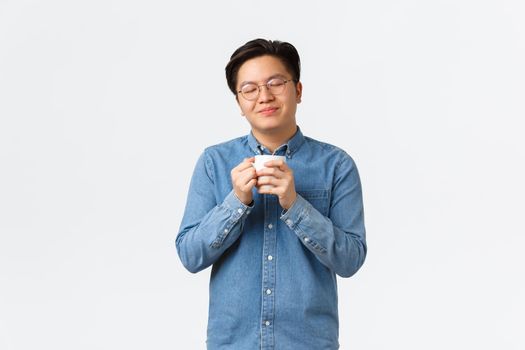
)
(106, 105)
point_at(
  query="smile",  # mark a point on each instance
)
(268, 111)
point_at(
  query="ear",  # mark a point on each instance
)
(237, 99)
(299, 91)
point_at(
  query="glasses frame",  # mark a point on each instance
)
(267, 84)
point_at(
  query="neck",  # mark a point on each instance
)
(272, 140)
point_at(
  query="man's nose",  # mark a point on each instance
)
(265, 94)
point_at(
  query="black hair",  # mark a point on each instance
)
(284, 51)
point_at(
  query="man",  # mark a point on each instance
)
(276, 237)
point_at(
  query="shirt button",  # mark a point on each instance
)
(267, 323)
(306, 239)
(270, 226)
(226, 231)
(270, 257)
(288, 222)
(239, 211)
(268, 291)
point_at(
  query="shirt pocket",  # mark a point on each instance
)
(319, 199)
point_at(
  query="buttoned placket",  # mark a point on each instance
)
(268, 275)
(271, 210)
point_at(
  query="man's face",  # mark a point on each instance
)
(268, 113)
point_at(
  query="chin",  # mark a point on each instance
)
(268, 126)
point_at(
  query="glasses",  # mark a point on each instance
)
(275, 86)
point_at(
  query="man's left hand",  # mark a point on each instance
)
(277, 178)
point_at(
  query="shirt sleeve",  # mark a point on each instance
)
(208, 228)
(337, 240)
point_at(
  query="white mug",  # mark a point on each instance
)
(261, 159)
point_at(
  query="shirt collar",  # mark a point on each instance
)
(289, 148)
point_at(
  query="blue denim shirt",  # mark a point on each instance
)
(273, 281)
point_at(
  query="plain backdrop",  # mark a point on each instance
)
(106, 105)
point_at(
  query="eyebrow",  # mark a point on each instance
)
(278, 75)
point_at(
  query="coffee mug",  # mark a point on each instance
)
(261, 159)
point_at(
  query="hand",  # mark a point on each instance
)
(243, 180)
(277, 178)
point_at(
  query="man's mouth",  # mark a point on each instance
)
(268, 111)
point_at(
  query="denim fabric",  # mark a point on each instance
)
(273, 281)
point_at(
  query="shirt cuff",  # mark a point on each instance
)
(300, 211)
(239, 208)
(236, 211)
(294, 214)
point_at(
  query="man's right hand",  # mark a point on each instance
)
(244, 179)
